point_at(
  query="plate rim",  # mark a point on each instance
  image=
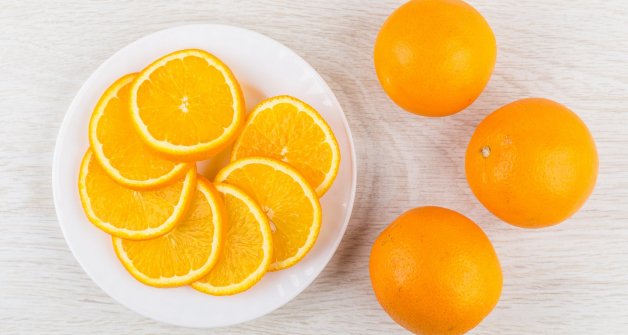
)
(63, 131)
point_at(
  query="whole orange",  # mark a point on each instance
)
(434, 57)
(532, 163)
(435, 272)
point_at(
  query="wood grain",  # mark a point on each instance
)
(570, 279)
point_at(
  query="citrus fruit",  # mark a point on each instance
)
(288, 129)
(120, 150)
(532, 163)
(184, 254)
(435, 272)
(434, 57)
(287, 199)
(187, 105)
(247, 248)
(128, 213)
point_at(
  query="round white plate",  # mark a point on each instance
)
(264, 68)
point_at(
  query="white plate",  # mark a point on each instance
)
(264, 68)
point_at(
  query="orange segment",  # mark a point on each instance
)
(288, 129)
(186, 253)
(247, 249)
(187, 105)
(120, 150)
(128, 213)
(287, 199)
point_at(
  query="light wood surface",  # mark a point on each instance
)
(569, 279)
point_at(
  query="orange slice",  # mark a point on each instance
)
(288, 129)
(186, 253)
(128, 213)
(187, 105)
(120, 150)
(287, 199)
(247, 249)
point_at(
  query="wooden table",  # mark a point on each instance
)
(570, 279)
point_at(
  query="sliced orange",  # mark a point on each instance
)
(187, 105)
(184, 254)
(287, 199)
(120, 150)
(129, 213)
(288, 129)
(247, 249)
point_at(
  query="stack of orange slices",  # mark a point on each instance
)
(171, 226)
